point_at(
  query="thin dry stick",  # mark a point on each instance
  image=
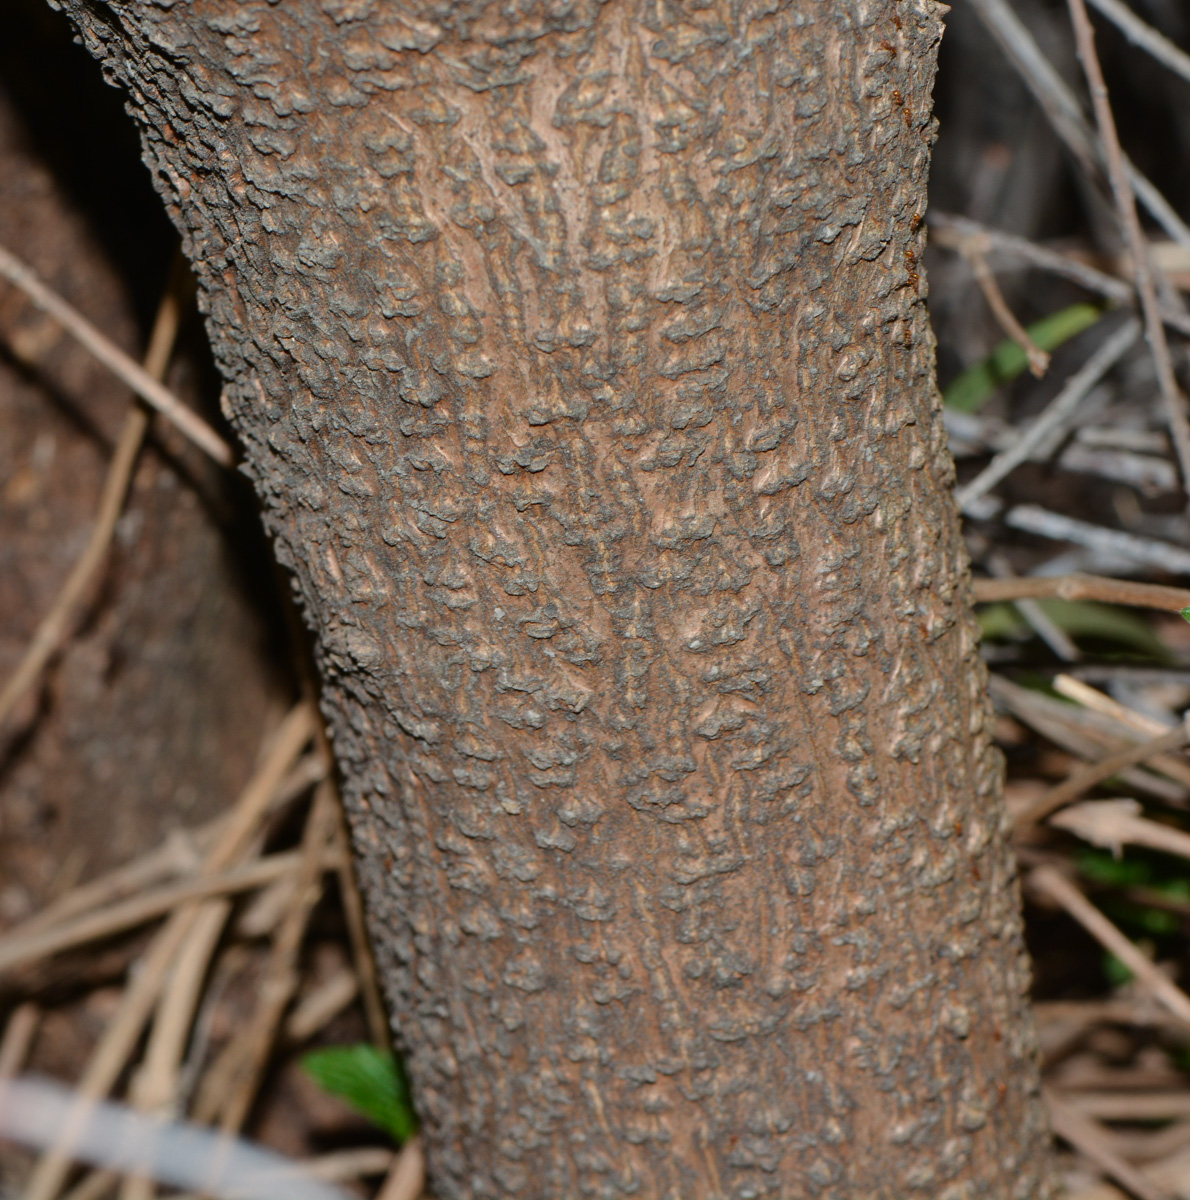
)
(1083, 693)
(1087, 1136)
(953, 232)
(1112, 544)
(361, 949)
(56, 623)
(1085, 778)
(1064, 112)
(155, 1085)
(231, 1087)
(1092, 698)
(321, 1005)
(1057, 639)
(16, 948)
(1145, 36)
(1116, 823)
(179, 854)
(93, 1186)
(1051, 883)
(125, 1029)
(407, 1178)
(18, 1038)
(144, 382)
(974, 250)
(1131, 1106)
(1056, 415)
(1175, 404)
(1082, 587)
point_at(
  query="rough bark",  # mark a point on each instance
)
(580, 360)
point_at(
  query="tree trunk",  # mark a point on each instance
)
(580, 360)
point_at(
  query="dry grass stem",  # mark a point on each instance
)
(17, 948)
(1089, 1138)
(156, 1083)
(231, 1085)
(361, 948)
(93, 1186)
(57, 622)
(321, 1006)
(1082, 587)
(1092, 698)
(1051, 883)
(17, 1041)
(407, 1179)
(1171, 766)
(123, 1032)
(145, 383)
(1175, 402)
(1085, 778)
(1131, 1106)
(179, 854)
(345, 1165)
(1088, 734)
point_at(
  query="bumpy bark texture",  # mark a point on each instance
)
(580, 361)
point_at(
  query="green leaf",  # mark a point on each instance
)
(370, 1080)
(972, 389)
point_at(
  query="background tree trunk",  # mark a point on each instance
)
(580, 360)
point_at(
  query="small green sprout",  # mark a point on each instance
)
(372, 1081)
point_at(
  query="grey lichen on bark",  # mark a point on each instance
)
(579, 356)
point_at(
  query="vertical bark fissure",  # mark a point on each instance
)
(581, 365)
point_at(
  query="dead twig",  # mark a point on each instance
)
(1082, 587)
(1117, 171)
(322, 1005)
(1141, 34)
(1056, 416)
(1113, 544)
(17, 948)
(141, 380)
(1049, 882)
(56, 624)
(1064, 112)
(407, 1178)
(1086, 1136)
(1113, 824)
(18, 1038)
(1085, 778)
(231, 1086)
(974, 250)
(126, 1027)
